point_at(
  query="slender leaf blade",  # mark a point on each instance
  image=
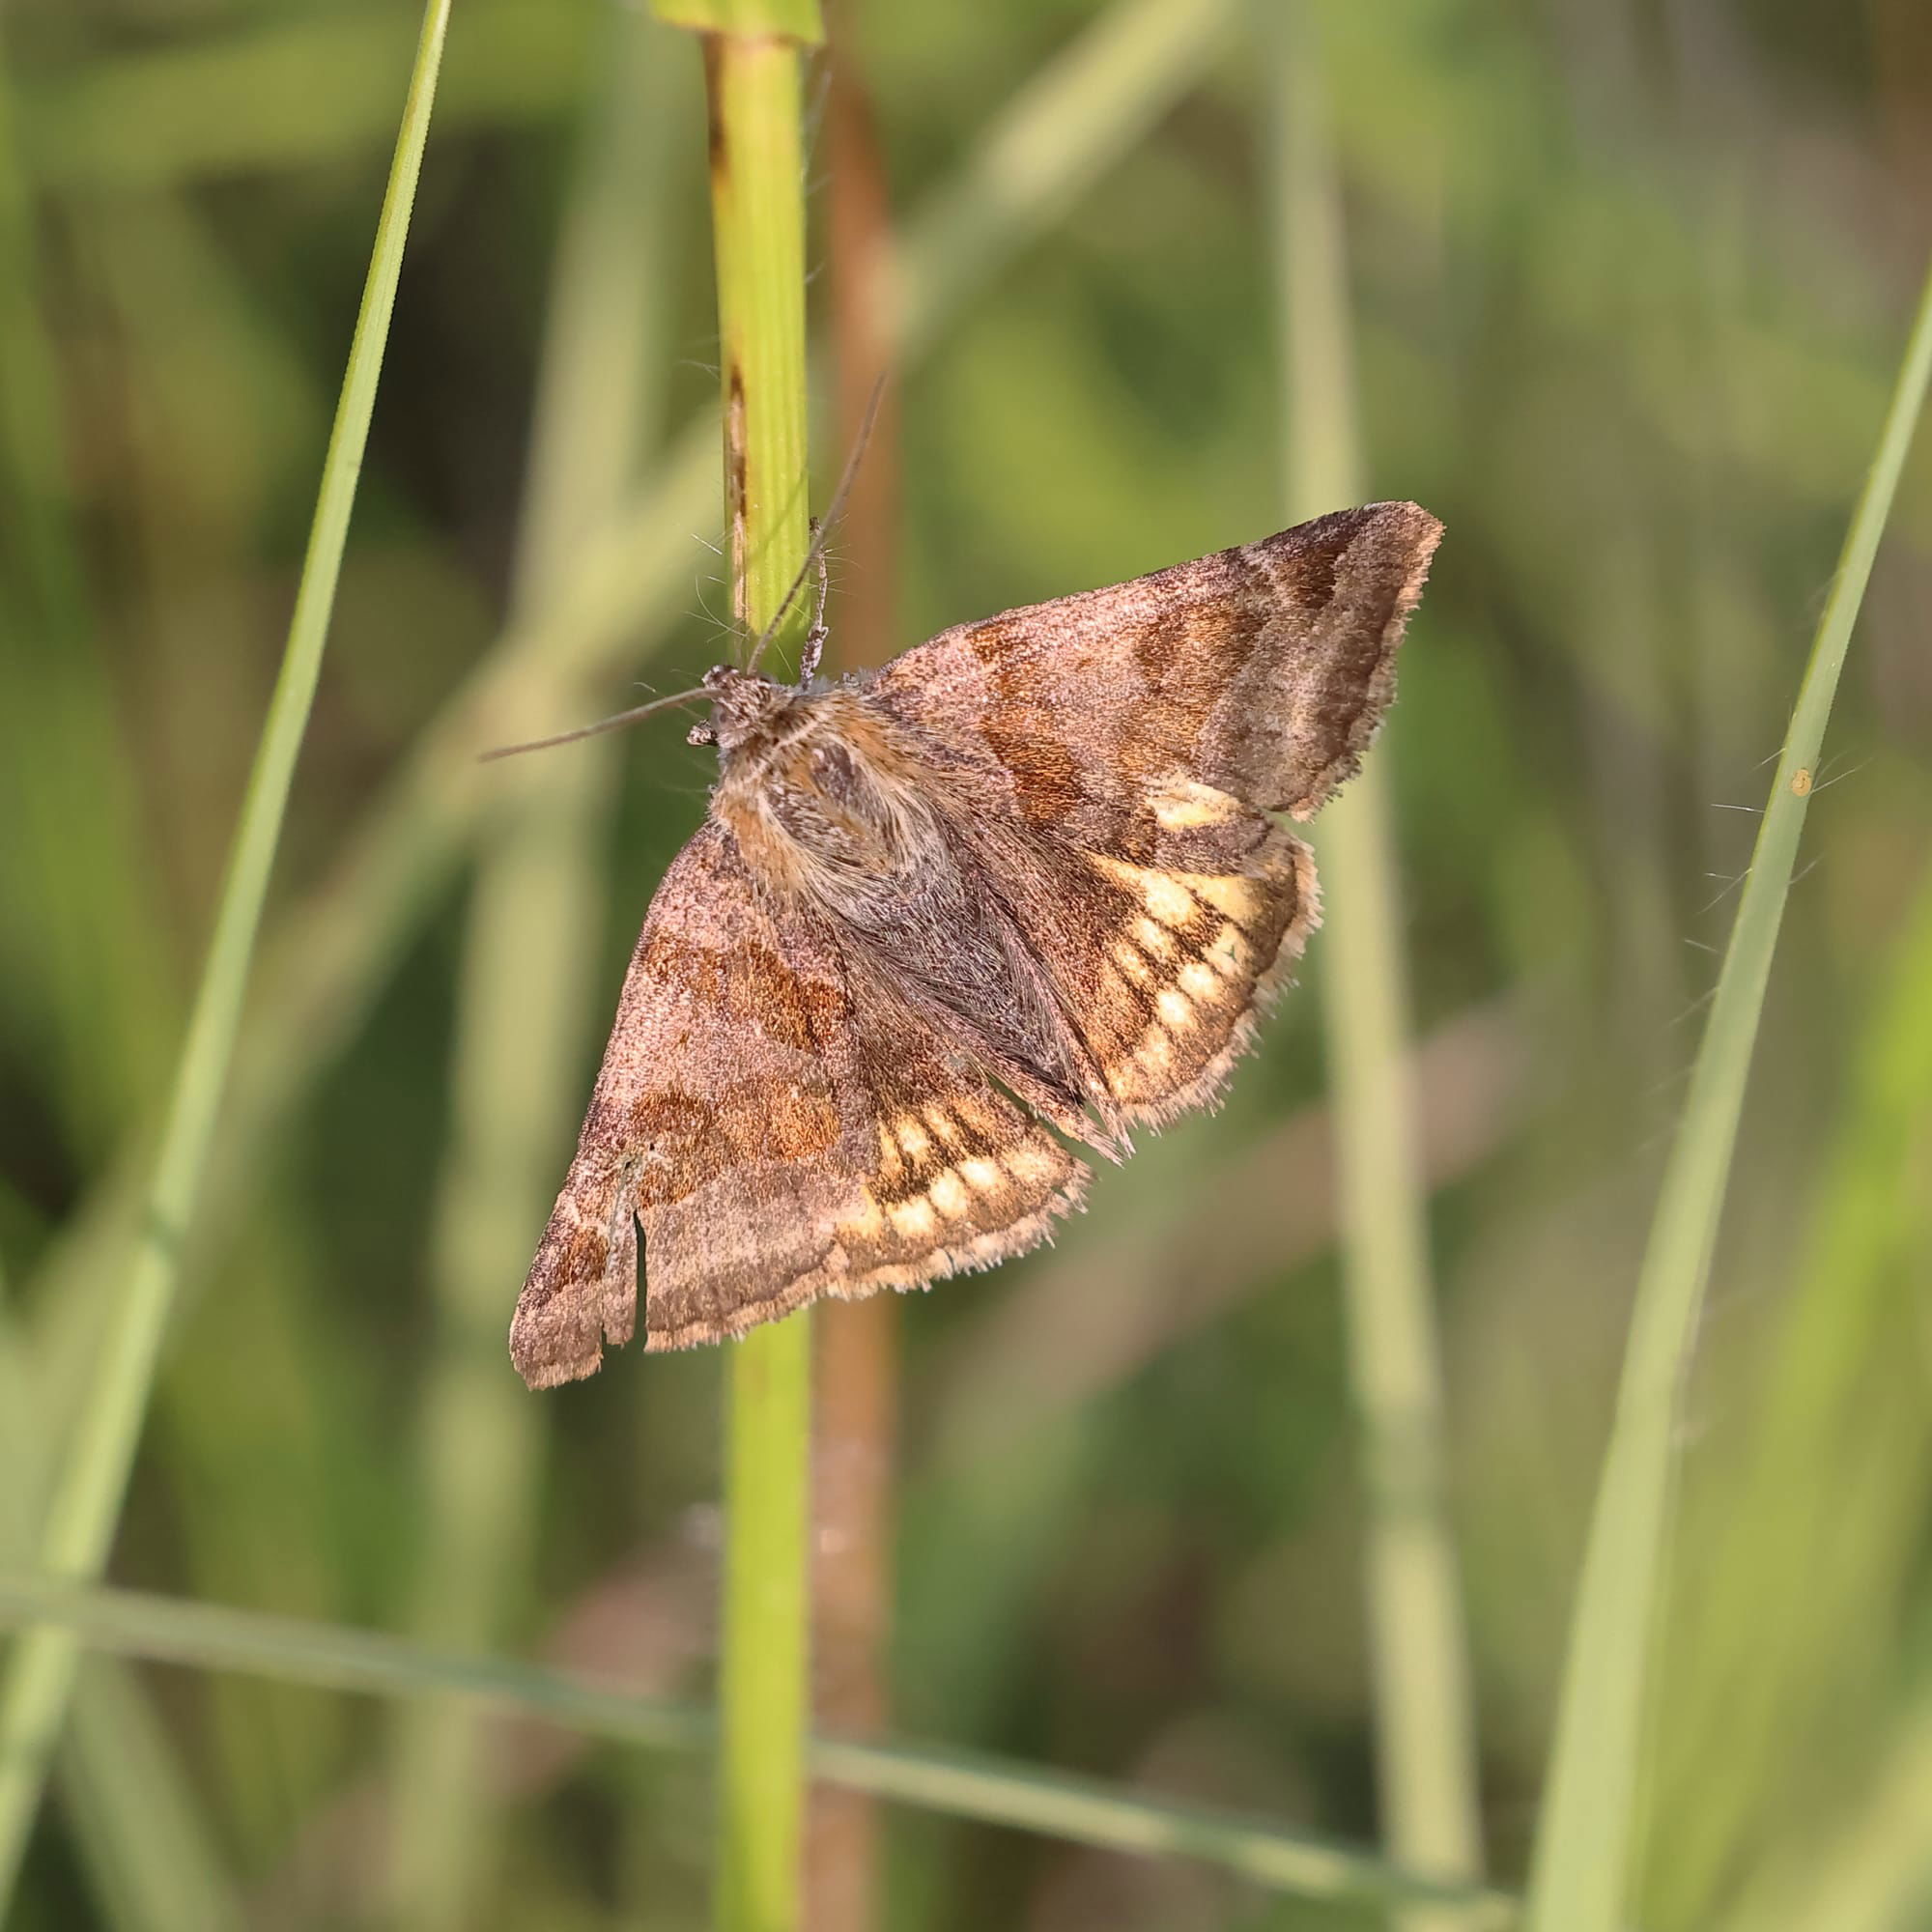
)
(86, 1503)
(1580, 1876)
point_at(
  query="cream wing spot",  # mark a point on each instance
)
(1234, 898)
(1030, 1165)
(1154, 940)
(1156, 1052)
(1185, 806)
(913, 1141)
(1199, 980)
(1171, 898)
(1163, 894)
(914, 1219)
(982, 1176)
(1167, 899)
(949, 1196)
(1174, 1008)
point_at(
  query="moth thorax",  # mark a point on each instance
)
(848, 833)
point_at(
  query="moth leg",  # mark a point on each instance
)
(815, 636)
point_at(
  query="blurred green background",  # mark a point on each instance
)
(1628, 279)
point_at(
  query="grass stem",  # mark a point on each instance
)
(757, 179)
(1426, 1753)
(86, 1501)
(960, 1784)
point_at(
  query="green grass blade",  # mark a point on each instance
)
(1581, 1869)
(763, 1669)
(87, 1498)
(1426, 1753)
(1822, 1524)
(757, 175)
(960, 1784)
(1806, 1517)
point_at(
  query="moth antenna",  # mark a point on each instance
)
(603, 724)
(815, 636)
(815, 551)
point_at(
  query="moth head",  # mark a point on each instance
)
(744, 704)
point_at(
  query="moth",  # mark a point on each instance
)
(1026, 887)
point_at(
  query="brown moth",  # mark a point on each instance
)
(1019, 888)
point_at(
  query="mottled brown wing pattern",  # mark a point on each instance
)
(1166, 948)
(1262, 671)
(717, 1119)
(961, 1175)
(1136, 739)
(781, 1131)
